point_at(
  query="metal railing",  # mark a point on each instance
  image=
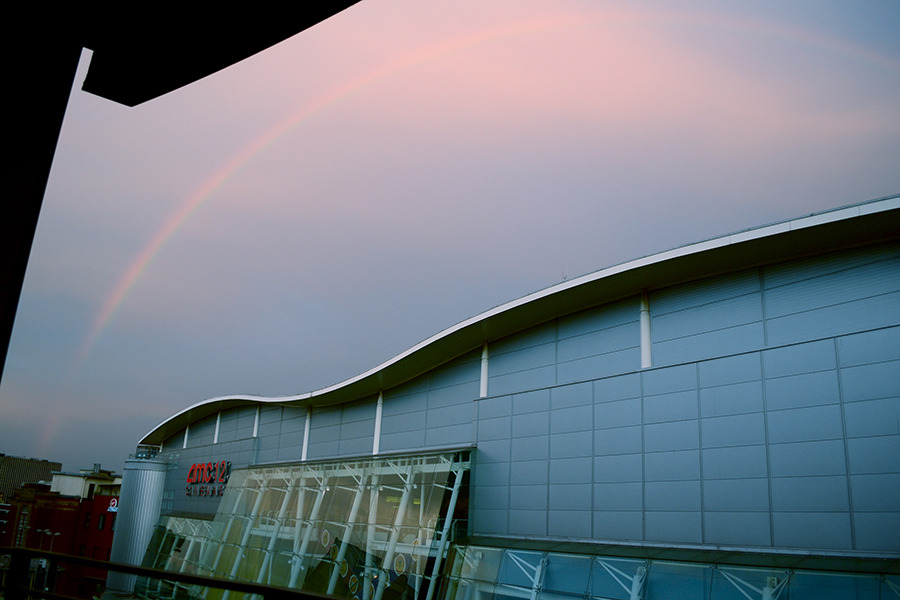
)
(19, 580)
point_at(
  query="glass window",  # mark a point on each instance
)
(343, 528)
(673, 580)
(567, 573)
(614, 578)
(101, 520)
(831, 586)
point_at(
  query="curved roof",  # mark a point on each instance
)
(859, 224)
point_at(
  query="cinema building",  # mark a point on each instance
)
(717, 421)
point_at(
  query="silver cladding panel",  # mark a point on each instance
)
(143, 482)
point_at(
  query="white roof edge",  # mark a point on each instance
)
(813, 219)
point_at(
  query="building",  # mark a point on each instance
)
(15, 471)
(721, 420)
(74, 514)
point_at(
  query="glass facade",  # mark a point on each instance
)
(487, 573)
(369, 529)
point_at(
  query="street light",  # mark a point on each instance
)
(52, 537)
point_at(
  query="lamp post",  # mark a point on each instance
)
(52, 537)
(40, 533)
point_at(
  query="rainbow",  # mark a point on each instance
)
(346, 90)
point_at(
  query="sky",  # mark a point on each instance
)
(311, 212)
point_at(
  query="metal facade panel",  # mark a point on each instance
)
(801, 459)
(568, 523)
(873, 417)
(810, 494)
(811, 389)
(877, 531)
(805, 424)
(876, 493)
(709, 290)
(619, 440)
(867, 313)
(735, 399)
(820, 530)
(527, 402)
(839, 288)
(602, 318)
(736, 529)
(499, 406)
(747, 429)
(576, 418)
(870, 347)
(528, 497)
(729, 370)
(621, 525)
(673, 527)
(523, 380)
(618, 496)
(736, 462)
(797, 359)
(604, 341)
(706, 317)
(669, 379)
(601, 365)
(675, 435)
(570, 496)
(675, 406)
(571, 445)
(736, 495)
(794, 271)
(530, 448)
(619, 413)
(528, 522)
(868, 382)
(672, 495)
(628, 468)
(677, 465)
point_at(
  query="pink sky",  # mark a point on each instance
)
(309, 213)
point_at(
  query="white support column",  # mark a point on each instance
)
(395, 534)
(771, 591)
(370, 539)
(483, 390)
(376, 439)
(228, 526)
(298, 576)
(303, 452)
(646, 353)
(276, 531)
(637, 583)
(245, 538)
(256, 423)
(348, 531)
(623, 579)
(298, 525)
(445, 533)
(187, 429)
(218, 423)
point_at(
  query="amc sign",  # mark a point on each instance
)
(207, 479)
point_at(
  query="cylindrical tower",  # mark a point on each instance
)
(143, 481)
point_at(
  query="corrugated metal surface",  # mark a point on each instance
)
(143, 482)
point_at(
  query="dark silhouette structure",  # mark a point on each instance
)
(140, 52)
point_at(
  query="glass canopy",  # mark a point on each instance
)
(369, 529)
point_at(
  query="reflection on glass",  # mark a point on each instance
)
(482, 573)
(368, 529)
